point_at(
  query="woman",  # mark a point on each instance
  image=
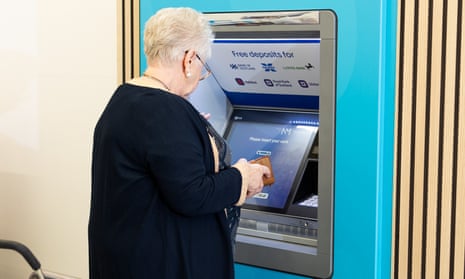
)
(161, 181)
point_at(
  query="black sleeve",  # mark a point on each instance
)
(181, 161)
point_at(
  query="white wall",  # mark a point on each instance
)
(57, 70)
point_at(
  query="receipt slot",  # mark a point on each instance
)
(273, 94)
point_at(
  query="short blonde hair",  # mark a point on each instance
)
(170, 32)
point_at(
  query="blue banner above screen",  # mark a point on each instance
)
(284, 136)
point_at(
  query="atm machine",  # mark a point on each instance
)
(273, 94)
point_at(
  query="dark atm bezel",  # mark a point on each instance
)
(288, 208)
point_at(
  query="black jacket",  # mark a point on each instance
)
(157, 207)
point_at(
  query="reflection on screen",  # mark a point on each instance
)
(286, 143)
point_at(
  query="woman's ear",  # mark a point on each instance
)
(189, 56)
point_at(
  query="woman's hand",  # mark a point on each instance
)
(256, 173)
(206, 115)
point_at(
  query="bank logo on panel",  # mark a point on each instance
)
(240, 81)
(268, 67)
(268, 82)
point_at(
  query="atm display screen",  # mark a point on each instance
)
(284, 136)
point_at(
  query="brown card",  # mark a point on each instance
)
(265, 161)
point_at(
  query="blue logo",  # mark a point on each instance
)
(234, 66)
(268, 82)
(268, 67)
(303, 83)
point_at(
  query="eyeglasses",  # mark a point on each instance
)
(206, 72)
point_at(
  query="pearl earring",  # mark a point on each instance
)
(188, 74)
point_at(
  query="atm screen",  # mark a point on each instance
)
(284, 136)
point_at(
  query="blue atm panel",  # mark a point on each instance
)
(366, 56)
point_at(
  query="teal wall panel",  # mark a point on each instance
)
(365, 103)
